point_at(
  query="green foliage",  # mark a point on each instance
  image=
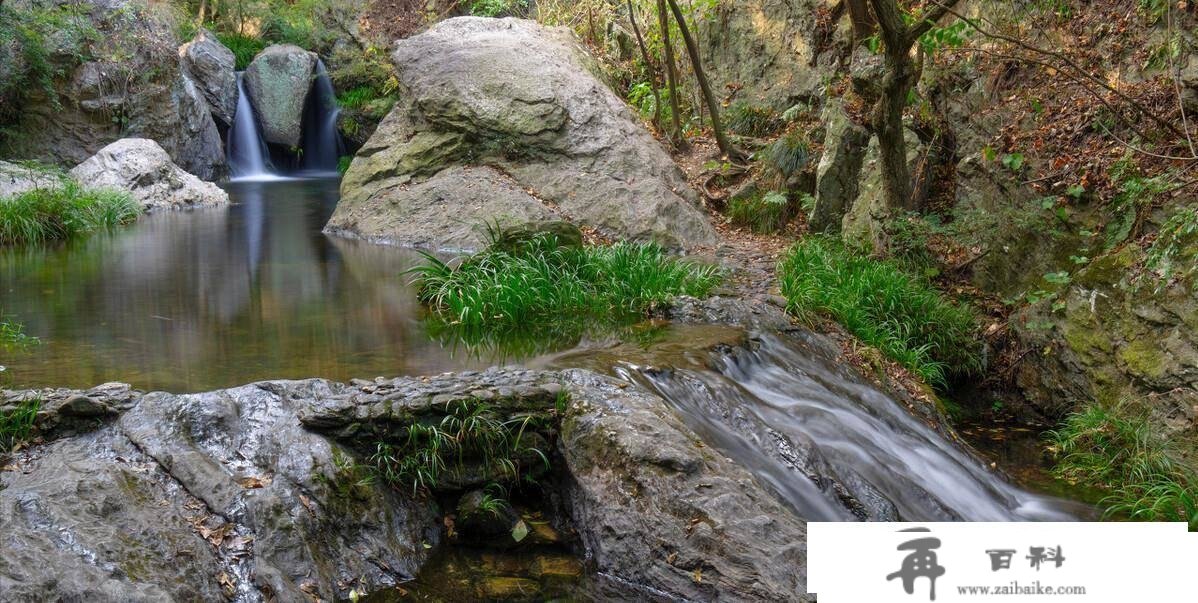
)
(1174, 253)
(12, 335)
(1119, 450)
(903, 316)
(244, 47)
(749, 120)
(497, 8)
(953, 35)
(33, 41)
(1136, 192)
(1013, 161)
(17, 424)
(543, 283)
(789, 154)
(427, 452)
(61, 212)
(765, 213)
(343, 163)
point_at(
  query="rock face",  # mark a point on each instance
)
(626, 450)
(199, 497)
(256, 492)
(278, 81)
(839, 171)
(143, 94)
(767, 49)
(16, 179)
(1116, 339)
(210, 65)
(519, 98)
(144, 169)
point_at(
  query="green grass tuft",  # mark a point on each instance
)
(542, 283)
(765, 213)
(12, 335)
(244, 47)
(749, 120)
(17, 424)
(1118, 449)
(788, 155)
(427, 453)
(901, 315)
(49, 214)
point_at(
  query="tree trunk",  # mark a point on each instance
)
(888, 126)
(713, 108)
(863, 20)
(654, 83)
(203, 13)
(671, 74)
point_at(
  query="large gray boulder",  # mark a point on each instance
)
(522, 99)
(838, 174)
(132, 87)
(211, 67)
(278, 81)
(203, 497)
(143, 168)
(657, 509)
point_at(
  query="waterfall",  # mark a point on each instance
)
(246, 150)
(832, 447)
(322, 143)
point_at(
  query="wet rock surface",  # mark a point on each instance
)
(522, 100)
(278, 81)
(256, 491)
(144, 169)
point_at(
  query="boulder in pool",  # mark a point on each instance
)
(143, 168)
(278, 81)
(506, 120)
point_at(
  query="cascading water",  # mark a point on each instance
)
(835, 448)
(246, 150)
(322, 142)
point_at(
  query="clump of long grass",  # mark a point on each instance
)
(17, 424)
(63, 211)
(763, 213)
(541, 282)
(900, 314)
(747, 119)
(428, 454)
(12, 334)
(1118, 450)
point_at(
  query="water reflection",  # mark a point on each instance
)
(190, 301)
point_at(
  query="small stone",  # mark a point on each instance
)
(82, 406)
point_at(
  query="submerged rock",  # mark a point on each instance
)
(522, 100)
(278, 81)
(144, 169)
(211, 66)
(130, 86)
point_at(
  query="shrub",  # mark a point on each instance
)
(1172, 254)
(541, 282)
(48, 214)
(901, 315)
(497, 8)
(764, 213)
(16, 424)
(749, 120)
(30, 40)
(244, 47)
(1118, 450)
(788, 155)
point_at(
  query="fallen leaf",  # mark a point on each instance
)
(253, 482)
